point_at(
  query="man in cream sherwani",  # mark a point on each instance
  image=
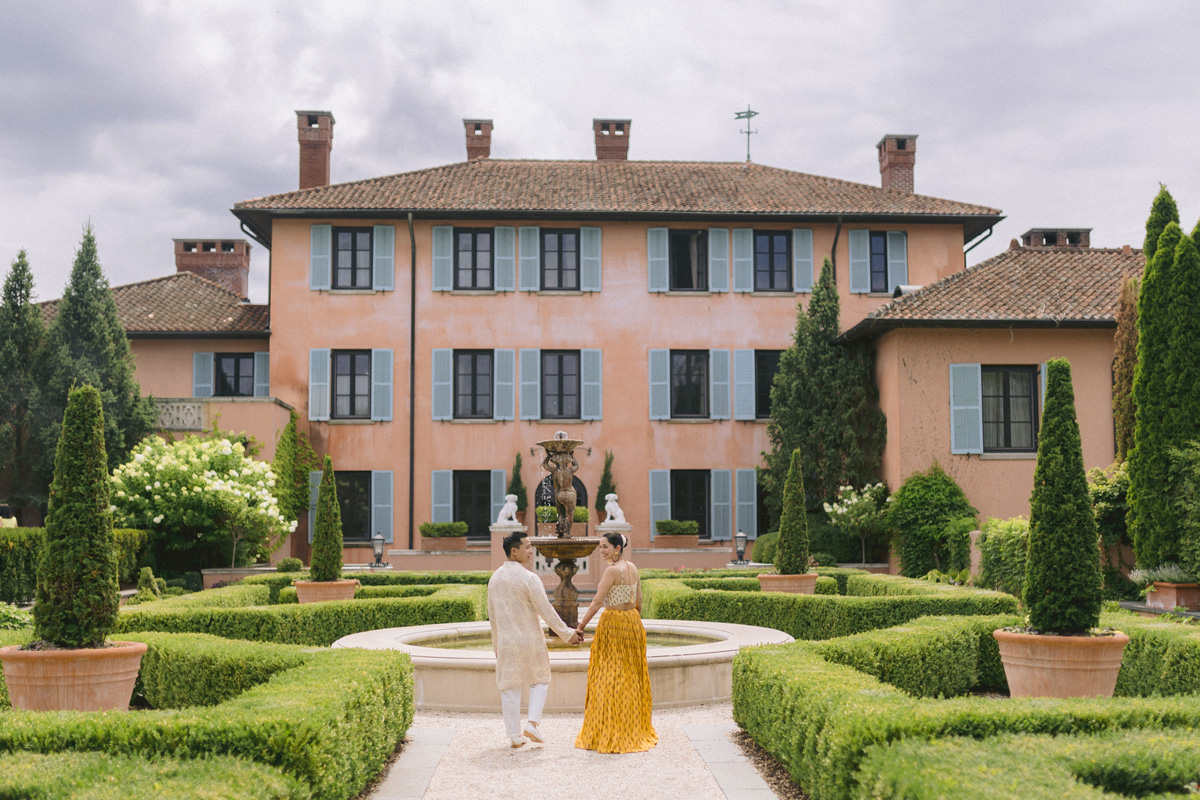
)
(516, 600)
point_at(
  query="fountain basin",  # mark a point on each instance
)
(465, 680)
(565, 546)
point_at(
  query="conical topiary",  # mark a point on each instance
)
(327, 530)
(791, 553)
(77, 593)
(1062, 570)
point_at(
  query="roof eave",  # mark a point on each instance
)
(198, 334)
(871, 328)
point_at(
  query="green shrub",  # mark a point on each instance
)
(174, 591)
(1109, 490)
(607, 485)
(825, 537)
(289, 565)
(1185, 462)
(841, 575)
(237, 595)
(580, 514)
(1164, 573)
(922, 508)
(327, 530)
(957, 536)
(824, 559)
(791, 551)
(1003, 544)
(677, 527)
(146, 582)
(77, 594)
(13, 618)
(1062, 570)
(21, 548)
(100, 776)
(160, 586)
(764, 548)
(442, 530)
(517, 487)
(278, 581)
(288, 593)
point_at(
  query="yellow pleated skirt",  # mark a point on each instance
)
(616, 716)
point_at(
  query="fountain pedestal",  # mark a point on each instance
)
(566, 550)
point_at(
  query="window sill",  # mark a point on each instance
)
(561, 292)
(1031, 456)
(560, 421)
(756, 420)
(473, 421)
(689, 293)
(470, 292)
(888, 295)
(788, 293)
(350, 291)
(691, 421)
(351, 421)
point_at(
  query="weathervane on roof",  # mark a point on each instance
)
(747, 115)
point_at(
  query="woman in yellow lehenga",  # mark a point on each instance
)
(616, 716)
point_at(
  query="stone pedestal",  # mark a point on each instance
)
(614, 527)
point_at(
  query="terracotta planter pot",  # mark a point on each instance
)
(676, 540)
(793, 584)
(1060, 666)
(444, 543)
(321, 591)
(578, 529)
(92, 679)
(1169, 596)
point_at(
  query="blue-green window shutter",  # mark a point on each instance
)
(802, 259)
(381, 384)
(383, 258)
(722, 505)
(591, 391)
(897, 259)
(262, 374)
(966, 409)
(531, 259)
(442, 485)
(860, 261)
(657, 261)
(718, 379)
(743, 260)
(743, 384)
(320, 256)
(589, 259)
(531, 383)
(443, 258)
(381, 503)
(660, 497)
(318, 383)
(505, 259)
(443, 383)
(314, 485)
(660, 385)
(202, 374)
(504, 389)
(747, 502)
(718, 259)
(499, 486)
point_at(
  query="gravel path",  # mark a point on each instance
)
(478, 762)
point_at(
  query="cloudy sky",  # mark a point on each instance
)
(151, 119)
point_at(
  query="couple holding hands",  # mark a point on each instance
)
(616, 716)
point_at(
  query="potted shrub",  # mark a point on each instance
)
(325, 570)
(517, 486)
(607, 484)
(443, 535)
(677, 533)
(1168, 587)
(1059, 654)
(70, 666)
(792, 571)
(547, 521)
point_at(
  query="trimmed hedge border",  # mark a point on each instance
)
(1130, 764)
(276, 581)
(288, 593)
(20, 549)
(99, 776)
(332, 721)
(818, 706)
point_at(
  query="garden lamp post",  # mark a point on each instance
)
(739, 543)
(377, 546)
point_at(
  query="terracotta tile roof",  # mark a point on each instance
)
(1023, 286)
(179, 304)
(666, 187)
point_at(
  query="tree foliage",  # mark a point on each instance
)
(1124, 362)
(1163, 211)
(77, 593)
(791, 552)
(607, 484)
(22, 336)
(294, 459)
(517, 486)
(1062, 570)
(326, 563)
(922, 511)
(824, 402)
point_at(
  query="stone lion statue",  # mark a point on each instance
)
(508, 513)
(614, 512)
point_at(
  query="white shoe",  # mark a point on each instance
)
(531, 733)
(515, 743)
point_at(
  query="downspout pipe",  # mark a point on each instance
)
(412, 376)
(978, 242)
(837, 233)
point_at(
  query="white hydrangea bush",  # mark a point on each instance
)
(200, 488)
(860, 513)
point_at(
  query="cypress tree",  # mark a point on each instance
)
(22, 335)
(294, 459)
(1062, 570)
(77, 592)
(517, 486)
(86, 344)
(791, 552)
(327, 530)
(1124, 361)
(1158, 397)
(607, 484)
(1162, 212)
(824, 402)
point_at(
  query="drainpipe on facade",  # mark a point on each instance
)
(833, 250)
(978, 242)
(412, 373)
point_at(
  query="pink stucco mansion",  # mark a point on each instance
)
(428, 326)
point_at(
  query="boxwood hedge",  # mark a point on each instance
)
(288, 593)
(20, 549)
(276, 581)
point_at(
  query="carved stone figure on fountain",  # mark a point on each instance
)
(562, 468)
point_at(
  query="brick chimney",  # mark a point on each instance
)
(223, 261)
(1057, 237)
(314, 129)
(897, 155)
(479, 138)
(612, 139)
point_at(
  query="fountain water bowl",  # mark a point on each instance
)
(465, 680)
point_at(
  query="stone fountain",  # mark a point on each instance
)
(563, 547)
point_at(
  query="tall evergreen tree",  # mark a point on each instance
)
(1124, 361)
(326, 564)
(791, 552)
(607, 484)
(1062, 570)
(824, 402)
(1162, 212)
(22, 335)
(86, 344)
(294, 459)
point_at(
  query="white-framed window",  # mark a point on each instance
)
(231, 374)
